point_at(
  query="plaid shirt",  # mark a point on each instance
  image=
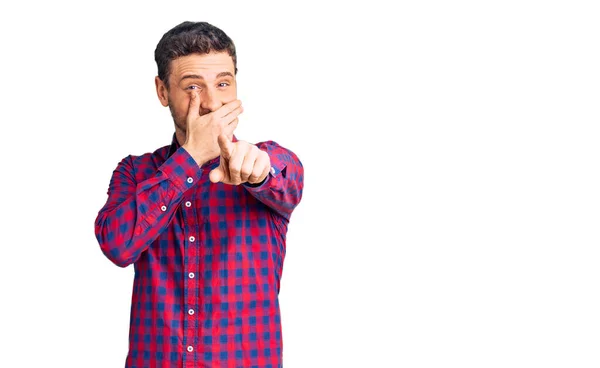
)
(208, 258)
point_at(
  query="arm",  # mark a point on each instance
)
(282, 189)
(136, 213)
(270, 172)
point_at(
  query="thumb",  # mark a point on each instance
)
(216, 175)
(194, 107)
(226, 146)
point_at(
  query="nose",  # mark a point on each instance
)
(209, 101)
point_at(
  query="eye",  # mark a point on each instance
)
(225, 83)
(193, 87)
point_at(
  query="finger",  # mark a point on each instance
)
(235, 163)
(228, 108)
(231, 117)
(226, 146)
(194, 107)
(228, 129)
(266, 172)
(261, 169)
(249, 164)
(216, 175)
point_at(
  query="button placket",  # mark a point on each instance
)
(191, 282)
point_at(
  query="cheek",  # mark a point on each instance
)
(183, 106)
(229, 96)
(179, 105)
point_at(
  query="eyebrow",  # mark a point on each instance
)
(196, 76)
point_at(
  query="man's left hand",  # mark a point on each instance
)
(240, 162)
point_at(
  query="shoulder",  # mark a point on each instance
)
(146, 162)
(274, 149)
(159, 154)
(272, 145)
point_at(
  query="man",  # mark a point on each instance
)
(203, 220)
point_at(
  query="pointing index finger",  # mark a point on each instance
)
(226, 146)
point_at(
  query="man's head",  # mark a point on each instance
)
(195, 56)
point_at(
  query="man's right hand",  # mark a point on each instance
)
(201, 140)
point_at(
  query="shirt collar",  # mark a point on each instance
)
(174, 145)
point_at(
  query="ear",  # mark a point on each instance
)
(161, 91)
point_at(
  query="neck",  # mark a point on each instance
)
(180, 136)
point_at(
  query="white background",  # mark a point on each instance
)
(450, 212)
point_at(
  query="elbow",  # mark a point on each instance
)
(110, 248)
(115, 253)
(298, 188)
(116, 256)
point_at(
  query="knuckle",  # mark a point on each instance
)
(246, 172)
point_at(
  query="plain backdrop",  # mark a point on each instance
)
(451, 205)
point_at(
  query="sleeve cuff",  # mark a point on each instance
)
(269, 180)
(181, 169)
(262, 183)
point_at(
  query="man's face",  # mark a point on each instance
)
(210, 75)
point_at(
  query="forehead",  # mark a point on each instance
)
(207, 65)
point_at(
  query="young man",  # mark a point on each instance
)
(203, 220)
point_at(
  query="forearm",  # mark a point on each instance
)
(282, 188)
(136, 213)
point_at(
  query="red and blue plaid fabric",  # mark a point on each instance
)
(208, 258)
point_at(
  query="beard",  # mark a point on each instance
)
(180, 121)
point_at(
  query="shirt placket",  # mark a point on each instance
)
(191, 283)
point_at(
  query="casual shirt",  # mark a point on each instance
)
(208, 257)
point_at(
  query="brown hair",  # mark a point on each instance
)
(189, 38)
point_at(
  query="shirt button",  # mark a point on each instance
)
(190, 180)
(163, 208)
(191, 275)
(272, 171)
(190, 349)
(188, 204)
(192, 239)
(191, 312)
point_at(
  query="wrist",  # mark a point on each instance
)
(198, 156)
